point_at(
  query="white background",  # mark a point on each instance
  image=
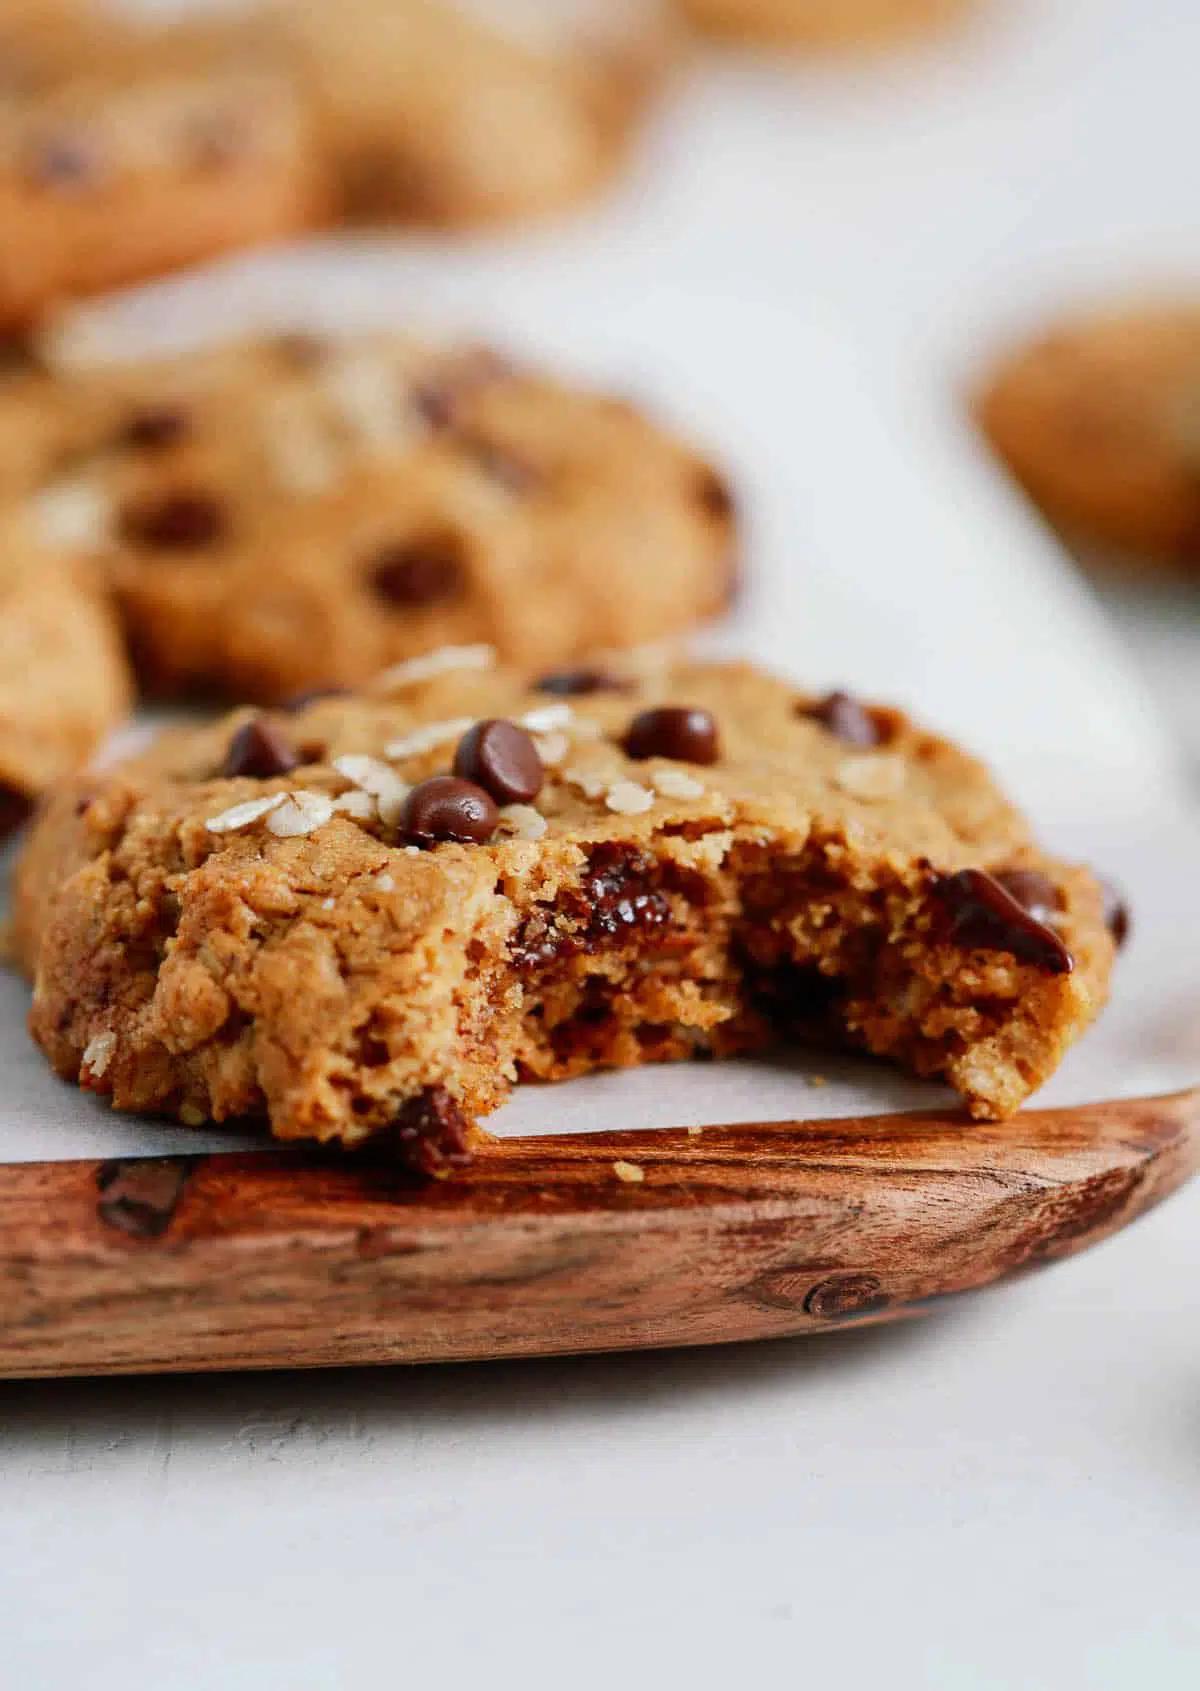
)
(1002, 1495)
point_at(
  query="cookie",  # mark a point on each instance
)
(367, 918)
(456, 111)
(294, 514)
(125, 153)
(63, 679)
(820, 23)
(1099, 421)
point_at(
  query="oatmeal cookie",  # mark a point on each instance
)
(127, 152)
(821, 23)
(63, 678)
(294, 514)
(367, 918)
(1099, 420)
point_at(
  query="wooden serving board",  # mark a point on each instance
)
(276, 1259)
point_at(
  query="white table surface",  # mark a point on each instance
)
(1002, 1495)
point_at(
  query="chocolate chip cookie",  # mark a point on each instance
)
(1099, 420)
(295, 514)
(453, 111)
(818, 23)
(368, 917)
(125, 152)
(63, 678)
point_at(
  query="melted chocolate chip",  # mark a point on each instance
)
(981, 915)
(430, 1133)
(845, 718)
(1117, 918)
(571, 683)
(178, 522)
(617, 900)
(502, 759)
(1033, 891)
(446, 808)
(421, 571)
(792, 995)
(139, 1195)
(261, 750)
(683, 733)
(155, 427)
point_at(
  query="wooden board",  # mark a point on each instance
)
(277, 1259)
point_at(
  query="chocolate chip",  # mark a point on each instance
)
(571, 683)
(15, 806)
(430, 1133)
(156, 426)
(502, 759)
(681, 732)
(179, 522)
(446, 808)
(617, 899)
(139, 1195)
(1116, 912)
(66, 160)
(981, 915)
(421, 571)
(714, 494)
(845, 718)
(261, 750)
(1033, 891)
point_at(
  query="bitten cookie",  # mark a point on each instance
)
(125, 153)
(453, 111)
(369, 917)
(1099, 420)
(63, 679)
(293, 514)
(821, 23)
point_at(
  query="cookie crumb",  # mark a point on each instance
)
(818, 1080)
(191, 1116)
(631, 1173)
(694, 1132)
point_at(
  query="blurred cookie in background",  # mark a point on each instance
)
(64, 683)
(821, 23)
(127, 151)
(1099, 420)
(457, 111)
(288, 514)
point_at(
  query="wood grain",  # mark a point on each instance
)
(276, 1259)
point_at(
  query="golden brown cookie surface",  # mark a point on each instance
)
(821, 23)
(1099, 420)
(292, 514)
(63, 679)
(368, 917)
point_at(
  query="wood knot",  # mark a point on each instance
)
(844, 1295)
(139, 1195)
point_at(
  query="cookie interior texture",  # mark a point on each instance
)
(298, 942)
(292, 513)
(1099, 420)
